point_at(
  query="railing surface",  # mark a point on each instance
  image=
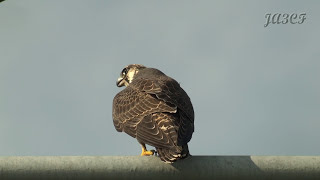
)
(136, 167)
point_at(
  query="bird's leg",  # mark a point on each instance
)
(145, 152)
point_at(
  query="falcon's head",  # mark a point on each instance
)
(128, 73)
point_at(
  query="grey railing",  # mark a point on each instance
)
(136, 167)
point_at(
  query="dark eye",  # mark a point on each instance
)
(124, 71)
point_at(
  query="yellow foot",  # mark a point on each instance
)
(147, 153)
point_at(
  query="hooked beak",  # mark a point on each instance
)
(119, 82)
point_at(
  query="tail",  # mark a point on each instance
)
(170, 155)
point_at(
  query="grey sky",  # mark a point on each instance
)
(255, 90)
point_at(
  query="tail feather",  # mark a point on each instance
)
(170, 155)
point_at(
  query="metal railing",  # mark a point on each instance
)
(136, 167)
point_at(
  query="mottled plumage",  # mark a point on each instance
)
(155, 110)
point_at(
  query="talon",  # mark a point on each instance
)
(147, 153)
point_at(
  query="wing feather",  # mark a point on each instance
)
(168, 90)
(155, 110)
(131, 106)
(158, 130)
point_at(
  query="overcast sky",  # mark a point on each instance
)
(255, 89)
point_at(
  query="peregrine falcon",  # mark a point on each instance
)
(155, 110)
